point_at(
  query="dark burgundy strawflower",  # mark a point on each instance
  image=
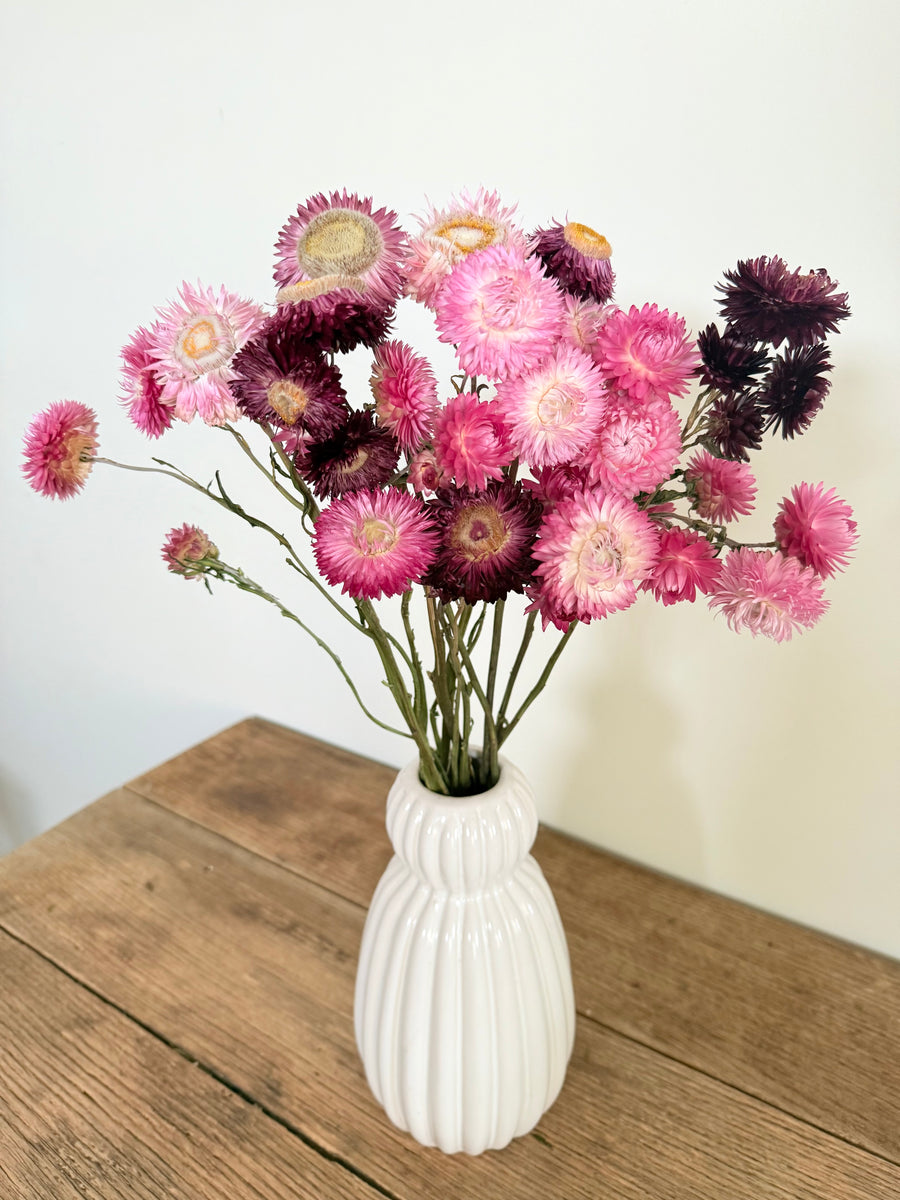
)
(795, 389)
(288, 383)
(486, 542)
(734, 426)
(357, 455)
(577, 257)
(337, 321)
(730, 362)
(769, 303)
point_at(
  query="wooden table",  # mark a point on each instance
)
(176, 988)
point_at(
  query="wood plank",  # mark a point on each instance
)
(250, 969)
(94, 1106)
(801, 1020)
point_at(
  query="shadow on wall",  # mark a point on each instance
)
(15, 826)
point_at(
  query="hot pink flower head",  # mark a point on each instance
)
(768, 593)
(553, 410)
(647, 352)
(405, 392)
(186, 550)
(59, 445)
(817, 528)
(545, 605)
(142, 388)
(724, 489)
(501, 311)
(593, 550)
(471, 441)
(374, 543)
(424, 473)
(194, 343)
(448, 235)
(636, 447)
(687, 564)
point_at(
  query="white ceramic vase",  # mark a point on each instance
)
(464, 1012)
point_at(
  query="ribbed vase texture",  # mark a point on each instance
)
(465, 1015)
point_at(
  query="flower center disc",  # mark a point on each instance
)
(69, 465)
(339, 242)
(358, 461)
(468, 233)
(587, 241)
(600, 560)
(479, 533)
(557, 406)
(287, 399)
(375, 536)
(205, 343)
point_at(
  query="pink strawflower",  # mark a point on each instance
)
(593, 551)
(405, 392)
(424, 473)
(817, 528)
(687, 564)
(647, 352)
(554, 484)
(768, 593)
(59, 445)
(374, 543)
(500, 311)
(636, 447)
(142, 387)
(448, 235)
(194, 343)
(553, 410)
(546, 606)
(582, 323)
(723, 489)
(471, 441)
(186, 551)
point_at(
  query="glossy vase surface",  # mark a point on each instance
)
(464, 1009)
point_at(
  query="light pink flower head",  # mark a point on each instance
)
(817, 528)
(501, 312)
(687, 564)
(471, 441)
(768, 593)
(553, 410)
(59, 445)
(583, 321)
(636, 446)
(724, 489)
(374, 543)
(142, 388)
(405, 392)
(593, 550)
(193, 344)
(647, 352)
(186, 550)
(448, 235)
(424, 473)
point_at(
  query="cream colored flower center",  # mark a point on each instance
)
(308, 289)
(204, 343)
(468, 233)
(288, 399)
(339, 241)
(600, 559)
(587, 241)
(376, 536)
(479, 533)
(557, 406)
(359, 460)
(71, 466)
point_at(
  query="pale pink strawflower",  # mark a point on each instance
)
(768, 593)
(59, 446)
(471, 441)
(583, 321)
(374, 543)
(817, 528)
(194, 343)
(448, 235)
(424, 473)
(723, 489)
(186, 551)
(593, 552)
(636, 446)
(142, 388)
(405, 392)
(647, 352)
(553, 410)
(500, 311)
(687, 564)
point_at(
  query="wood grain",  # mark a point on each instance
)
(803, 1021)
(249, 968)
(93, 1106)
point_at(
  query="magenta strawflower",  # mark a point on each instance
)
(374, 543)
(687, 564)
(405, 392)
(187, 550)
(553, 410)
(547, 607)
(356, 456)
(501, 312)
(471, 441)
(448, 235)
(768, 303)
(286, 382)
(59, 445)
(817, 528)
(593, 551)
(636, 447)
(577, 257)
(142, 387)
(194, 343)
(723, 489)
(424, 473)
(647, 352)
(768, 593)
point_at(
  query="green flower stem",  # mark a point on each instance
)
(490, 746)
(516, 667)
(420, 701)
(439, 676)
(291, 470)
(704, 401)
(490, 768)
(717, 533)
(242, 442)
(506, 730)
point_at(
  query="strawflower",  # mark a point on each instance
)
(795, 389)
(817, 528)
(142, 387)
(577, 257)
(357, 456)
(186, 550)
(471, 441)
(285, 381)
(767, 593)
(405, 392)
(636, 447)
(687, 564)
(768, 303)
(59, 445)
(723, 489)
(646, 352)
(734, 426)
(730, 363)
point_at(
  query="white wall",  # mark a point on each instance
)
(146, 144)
